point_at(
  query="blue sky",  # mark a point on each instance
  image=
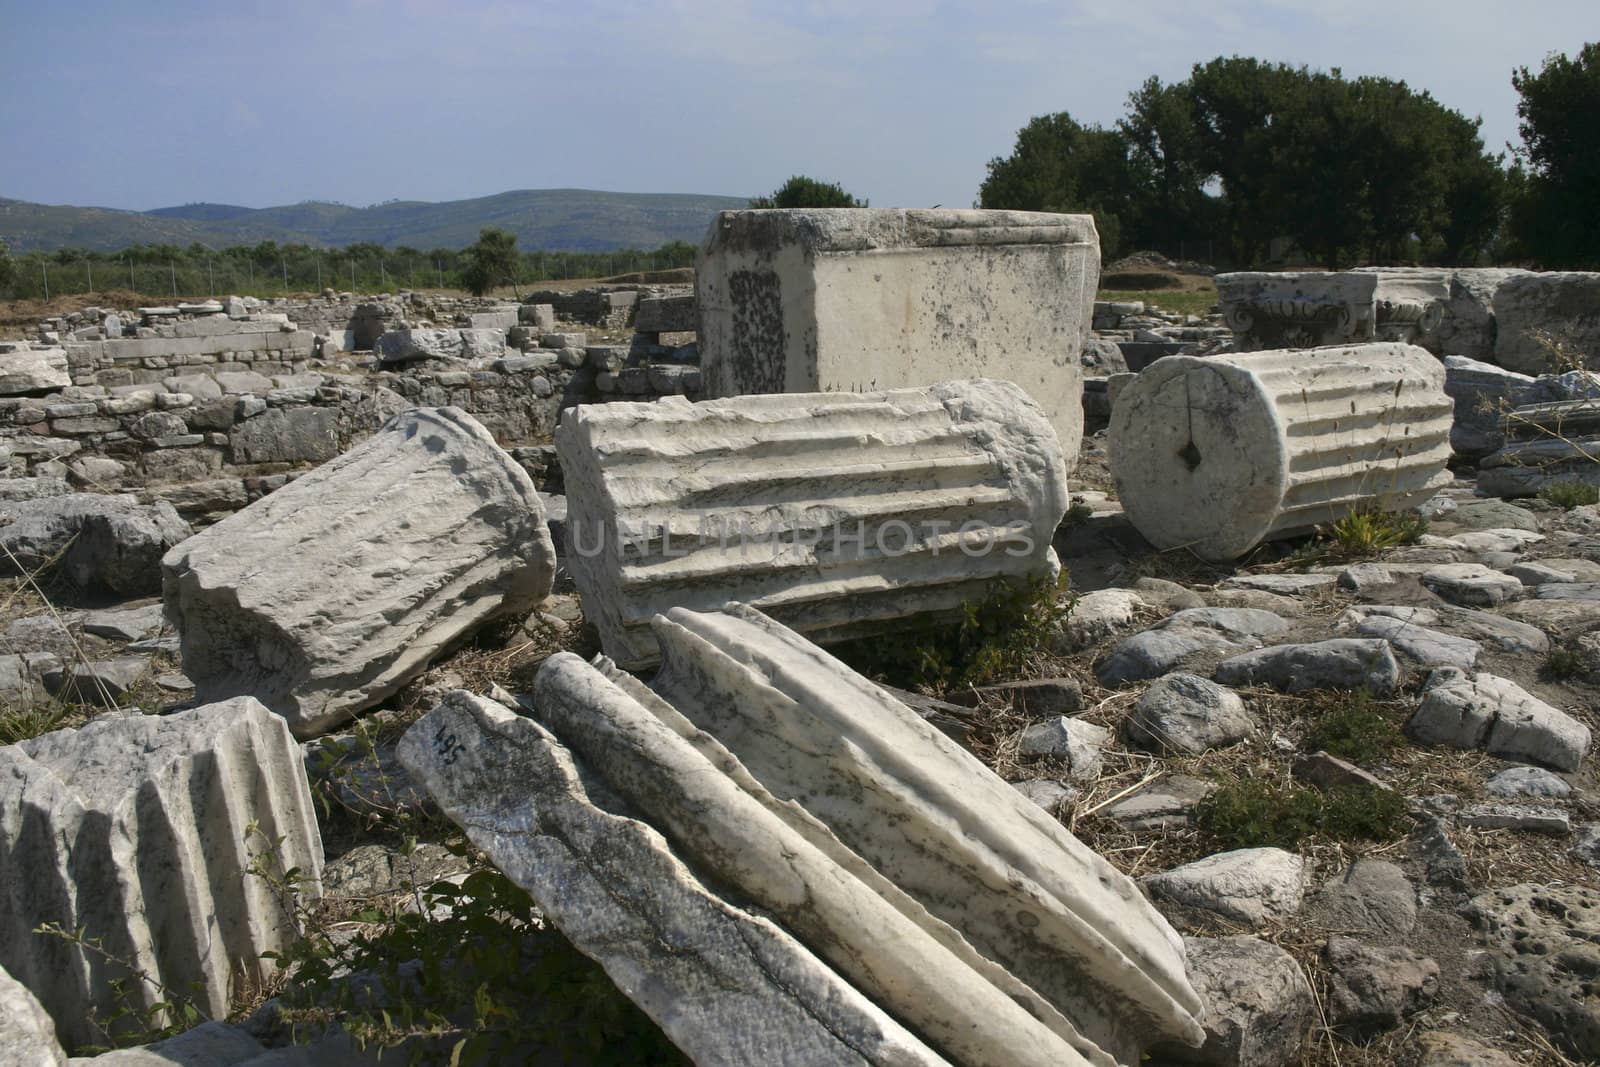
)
(143, 105)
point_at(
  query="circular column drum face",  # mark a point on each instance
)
(1199, 457)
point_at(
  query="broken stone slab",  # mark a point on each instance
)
(1371, 896)
(1528, 782)
(837, 514)
(787, 863)
(1285, 584)
(1053, 796)
(814, 733)
(1495, 714)
(1165, 804)
(1424, 647)
(1540, 942)
(1248, 885)
(1437, 1048)
(1471, 584)
(402, 346)
(1259, 1006)
(1078, 744)
(326, 596)
(128, 624)
(133, 831)
(102, 541)
(1339, 663)
(1216, 455)
(724, 982)
(1187, 714)
(1095, 616)
(25, 371)
(1035, 698)
(1530, 818)
(1375, 989)
(1531, 306)
(27, 1033)
(102, 683)
(1153, 652)
(1284, 309)
(857, 300)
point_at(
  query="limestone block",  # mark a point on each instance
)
(838, 514)
(27, 1033)
(1564, 306)
(33, 370)
(133, 829)
(1497, 715)
(1410, 304)
(1297, 310)
(673, 313)
(1217, 455)
(327, 595)
(295, 435)
(929, 819)
(855, 300)
(728, 985)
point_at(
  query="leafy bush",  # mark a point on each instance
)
(1353, 727)
(993, 637)
(473, 973)
(800, 191)
(1570, 495)
(1254, 813)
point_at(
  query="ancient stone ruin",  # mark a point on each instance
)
(1216, 455)
(859, 300)
(839, 513)
(921, 878)
(148, 857)
(1298, 766)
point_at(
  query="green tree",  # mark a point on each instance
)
(1060, 165)
(1558, 215)
(800, 191)
(1164, 148)
(492, 260)
(8, 268)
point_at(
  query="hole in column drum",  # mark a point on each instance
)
(1190, 456)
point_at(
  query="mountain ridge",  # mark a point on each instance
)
(557, 220)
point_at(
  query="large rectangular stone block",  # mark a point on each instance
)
(859, 300)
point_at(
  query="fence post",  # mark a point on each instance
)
(45, 268)
(284, 262)
(211, 279)
(173, 267)
(319, 272)
(89, 264)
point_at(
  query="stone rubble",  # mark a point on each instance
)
(150, 856)
(370, 599)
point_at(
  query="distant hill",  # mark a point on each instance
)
(568, 220)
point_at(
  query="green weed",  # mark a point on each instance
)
(1253, 813)
(1569, 495)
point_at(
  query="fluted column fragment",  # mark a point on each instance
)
(836, 513)
(139, 832)
(1219, 454)
(328, 595)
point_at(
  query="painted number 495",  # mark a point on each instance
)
(448, 747)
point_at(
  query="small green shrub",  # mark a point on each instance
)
(1366, 532)
(23, 724)
(475, 974)
(1569, 495)
(1253, 813)
(1564, 663)
(1353, 727)
(993, 638)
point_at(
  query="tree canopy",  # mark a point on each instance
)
(800, 191)
(1245, 152)
(491, 260)
(1557, 218)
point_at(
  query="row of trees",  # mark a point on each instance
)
(164, 271)
(1245, 152)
